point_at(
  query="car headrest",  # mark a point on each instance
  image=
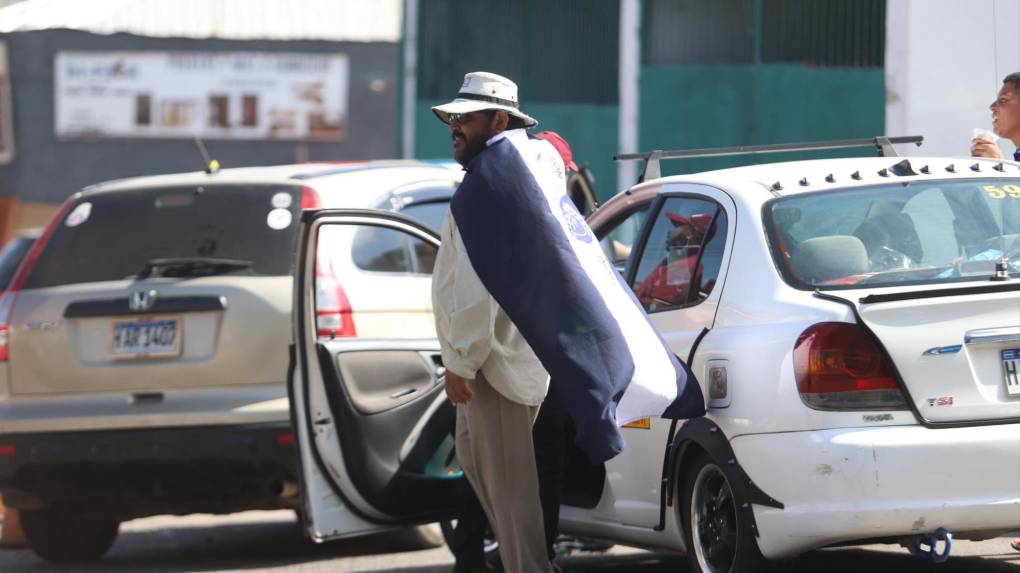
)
(826, 258)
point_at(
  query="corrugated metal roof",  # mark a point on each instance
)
(335, 20)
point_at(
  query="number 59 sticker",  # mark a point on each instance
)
(996, 192)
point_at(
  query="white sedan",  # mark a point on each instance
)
(854, 323)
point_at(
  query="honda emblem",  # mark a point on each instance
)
(142, 300)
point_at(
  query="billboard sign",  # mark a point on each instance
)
(213, 95)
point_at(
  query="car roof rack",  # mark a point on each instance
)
(884, 146)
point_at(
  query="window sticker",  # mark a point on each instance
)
(996, 192)
(279, 219)
(281, 200)
(80, 214)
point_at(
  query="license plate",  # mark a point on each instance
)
(152, 338)
(1011, 370)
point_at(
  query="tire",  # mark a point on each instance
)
(60, 535)
(721, 540)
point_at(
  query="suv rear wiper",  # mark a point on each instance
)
(191, 267)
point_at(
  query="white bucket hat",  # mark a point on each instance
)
(483, 90)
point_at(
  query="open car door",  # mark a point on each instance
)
(373, 425)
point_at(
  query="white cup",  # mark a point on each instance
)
(984, 134)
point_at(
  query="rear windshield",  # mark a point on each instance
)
(917, 233)
(111, 236)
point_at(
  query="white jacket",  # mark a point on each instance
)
(474, 332)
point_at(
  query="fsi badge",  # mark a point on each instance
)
(575, 224)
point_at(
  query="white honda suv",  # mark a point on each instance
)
(143, 343)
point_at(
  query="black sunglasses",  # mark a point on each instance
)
(462, 118)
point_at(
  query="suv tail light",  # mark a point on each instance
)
(840, 366)
(332, 308)
(21, 275)
(310, 199)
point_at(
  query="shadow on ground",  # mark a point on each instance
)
(280, 544)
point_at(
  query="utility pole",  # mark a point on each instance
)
(409, 95)
(630, 92)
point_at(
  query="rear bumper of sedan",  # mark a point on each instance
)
(857, 484)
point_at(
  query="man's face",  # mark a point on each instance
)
(1006, 112)
(469, 132)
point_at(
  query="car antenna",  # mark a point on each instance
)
(211, 165)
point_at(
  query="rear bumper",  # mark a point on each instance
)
(879, 483)
(146, 472)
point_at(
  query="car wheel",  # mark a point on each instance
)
(60, 535)
(718, 536)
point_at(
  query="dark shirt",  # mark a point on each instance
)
(1016, 155)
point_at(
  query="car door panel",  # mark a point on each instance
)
(637, 501)
(374, 427)
(408, 375)
(391, 455)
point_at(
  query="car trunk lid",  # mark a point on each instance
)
(957, 353)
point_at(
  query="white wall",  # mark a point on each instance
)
(945, 60)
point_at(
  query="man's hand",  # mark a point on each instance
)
(457, 389)
(983, 148)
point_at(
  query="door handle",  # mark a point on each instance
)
(403, 393)
(992, 335)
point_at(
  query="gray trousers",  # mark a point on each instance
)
(495, 449)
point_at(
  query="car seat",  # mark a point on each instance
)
(887, 226)
(821, 259)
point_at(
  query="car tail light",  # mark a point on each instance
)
(310, 199)
(21, 275)
(332, 308)
(840, 366)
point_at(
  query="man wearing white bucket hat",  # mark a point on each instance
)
(522, 289)
(491, 372)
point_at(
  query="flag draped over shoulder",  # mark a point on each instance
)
(539, 259)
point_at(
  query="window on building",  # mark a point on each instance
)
(219, 111)
(698, 32)
(143, 109)
(826, 33)
(250, 110)
(829, 33)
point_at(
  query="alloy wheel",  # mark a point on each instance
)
(713, 520)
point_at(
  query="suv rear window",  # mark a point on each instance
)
(111, 236)
(916, 233)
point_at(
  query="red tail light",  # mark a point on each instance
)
(332, 308)
(21, 275)
(310, 199)
(6, 302)
(840, 366)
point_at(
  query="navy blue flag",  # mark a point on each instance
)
(539, 259)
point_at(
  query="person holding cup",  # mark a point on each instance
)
(1005, 121)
